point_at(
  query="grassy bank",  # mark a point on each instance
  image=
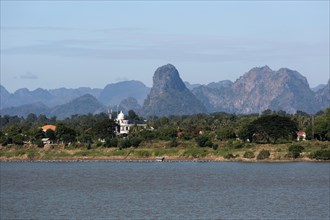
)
(225, 151)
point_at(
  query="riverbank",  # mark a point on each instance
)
(184, 152)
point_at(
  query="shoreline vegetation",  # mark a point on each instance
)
(271, 136)
(303, 151)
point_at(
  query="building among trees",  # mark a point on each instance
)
(124, 125)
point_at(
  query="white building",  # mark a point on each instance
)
(125, 125)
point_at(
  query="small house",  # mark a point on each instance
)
(301, 135)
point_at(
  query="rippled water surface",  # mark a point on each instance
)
(151, 190)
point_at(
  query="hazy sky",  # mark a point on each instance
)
(71, 44)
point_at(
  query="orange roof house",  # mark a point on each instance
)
(46, 127)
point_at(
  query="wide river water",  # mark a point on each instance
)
(156, 190)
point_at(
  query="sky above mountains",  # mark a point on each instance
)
(71, 44)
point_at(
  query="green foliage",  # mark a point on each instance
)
(147, 135)
(249, 154)
(276, 127)
(166, 133)
(195, 152)
(38, 133)
(88, 153)
(215, 146)
(64, 133)
(142, 153)
(203, 141)
(104, 129)
(161, 152)
(17, 139)
(124, 143)
(321, 155)
(119, 152)
(39, 143)
(132, 115)
(263, 154)
(173, 143)
(111, 142)
(271, 128)
(322, 126)
(50, 134)
(230, 156)
(135, 141)
(224, 133)
(295, 151)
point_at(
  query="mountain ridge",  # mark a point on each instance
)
(258, 89)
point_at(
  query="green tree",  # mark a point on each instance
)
(135, 141)
(322, 125)
(271, 128)
(203, 141)
(64, 133)
(249, 154)
(166, 133)
(50, 134)
(124, 143)
(38, 133)
(133, 116)
(105, 128)
(18, 139)
(111, 142)
(225, 133)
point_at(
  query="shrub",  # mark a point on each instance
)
(233, 144)
(239, 145)
(295, 151)
(230, 156)
(135, 141)
(111, 142)
(125, 143)
(39, 143)
(263, 154)
(296, 148)
(215, 146)
(321, 155)
(203, 141)
(249, 154)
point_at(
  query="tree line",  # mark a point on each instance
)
(204, 129)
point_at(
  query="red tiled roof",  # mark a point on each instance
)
(301, 133)
(46, 127)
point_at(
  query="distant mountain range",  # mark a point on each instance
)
(257, 90)
(260, 89)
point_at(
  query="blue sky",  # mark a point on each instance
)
(55, 44)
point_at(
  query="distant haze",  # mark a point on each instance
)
(55, 44)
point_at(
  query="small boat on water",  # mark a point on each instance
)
(160, 159)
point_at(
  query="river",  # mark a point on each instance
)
(160, 190)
